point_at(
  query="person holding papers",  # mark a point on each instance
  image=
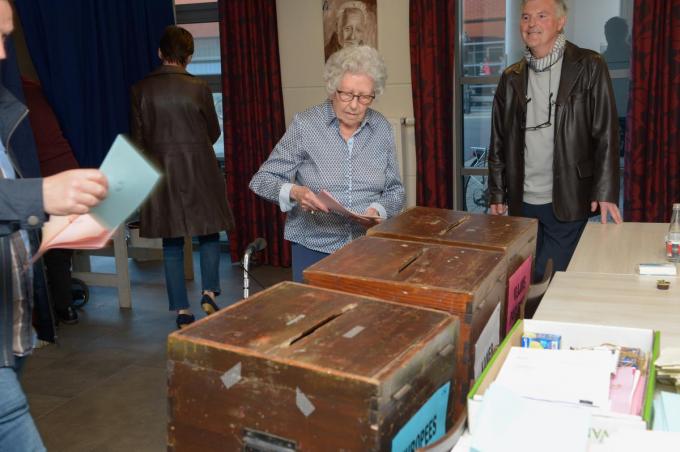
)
(25, 204)
(174, 122)
(340, 146)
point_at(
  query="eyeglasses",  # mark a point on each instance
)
(364, 99)
(546, 123)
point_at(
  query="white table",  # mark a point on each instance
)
(602, 285)
(619, 248)
(617, 300)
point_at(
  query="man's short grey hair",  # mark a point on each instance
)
(362, 60)
(560, 5)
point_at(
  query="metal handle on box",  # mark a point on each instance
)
(255, 441)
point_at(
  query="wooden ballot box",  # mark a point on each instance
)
(514, 236)
(467, 282)
(297, 367)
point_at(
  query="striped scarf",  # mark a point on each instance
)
(545, 63)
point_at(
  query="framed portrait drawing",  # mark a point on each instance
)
(349, 22)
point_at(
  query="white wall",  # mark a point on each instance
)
(301, 51)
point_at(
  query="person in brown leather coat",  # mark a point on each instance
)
(174, 121)
(554, 150)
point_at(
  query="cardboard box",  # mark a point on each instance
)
(577, 335)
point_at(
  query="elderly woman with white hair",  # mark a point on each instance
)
(341, 146)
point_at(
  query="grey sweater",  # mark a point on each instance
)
(539, 144)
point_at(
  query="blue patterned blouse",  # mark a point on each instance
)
(360, 173)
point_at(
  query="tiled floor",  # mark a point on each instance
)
(103, 387)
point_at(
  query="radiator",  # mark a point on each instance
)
(404, 139)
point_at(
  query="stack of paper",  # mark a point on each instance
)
(668, 366)
(667, 412)
(662, 269)
(509, 422)
(569, 376)
(621, 440)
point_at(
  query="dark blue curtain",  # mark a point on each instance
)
(87, 54)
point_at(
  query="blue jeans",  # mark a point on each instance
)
(17, 429)
(303, 257)
(173, 263)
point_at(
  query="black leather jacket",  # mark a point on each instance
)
(586, 155)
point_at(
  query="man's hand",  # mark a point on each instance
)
(307, 199)
(498, 209)
(607, 208)
(73, 191)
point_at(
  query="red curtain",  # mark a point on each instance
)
(253, 119)
(652, 174)
(432, 37)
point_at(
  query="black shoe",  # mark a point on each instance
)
(184, 320)
(208, 305)
(69, 316)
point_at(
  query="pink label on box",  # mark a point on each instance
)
(518, 285)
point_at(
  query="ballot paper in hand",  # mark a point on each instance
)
(334, 206)
(130, 177)
(74, 232)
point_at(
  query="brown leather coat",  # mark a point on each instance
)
(586, 155)
(174, 121)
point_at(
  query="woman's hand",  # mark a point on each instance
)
(306, 198)
(373, 220)
(371, 212)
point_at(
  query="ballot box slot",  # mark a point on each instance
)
(313, 329)
(411, 260)
(454, 225)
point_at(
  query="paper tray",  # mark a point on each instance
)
(577, 335)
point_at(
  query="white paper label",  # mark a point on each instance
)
(488, 341)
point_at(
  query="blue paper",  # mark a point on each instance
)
(131, 178)
(659, 422)
(427, 425)
(670, 404)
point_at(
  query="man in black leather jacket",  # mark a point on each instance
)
(554, 144)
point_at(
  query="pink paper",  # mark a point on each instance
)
(334, 206)
(621, 389)
(638, 396)
(518, 286)
(74, 232)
